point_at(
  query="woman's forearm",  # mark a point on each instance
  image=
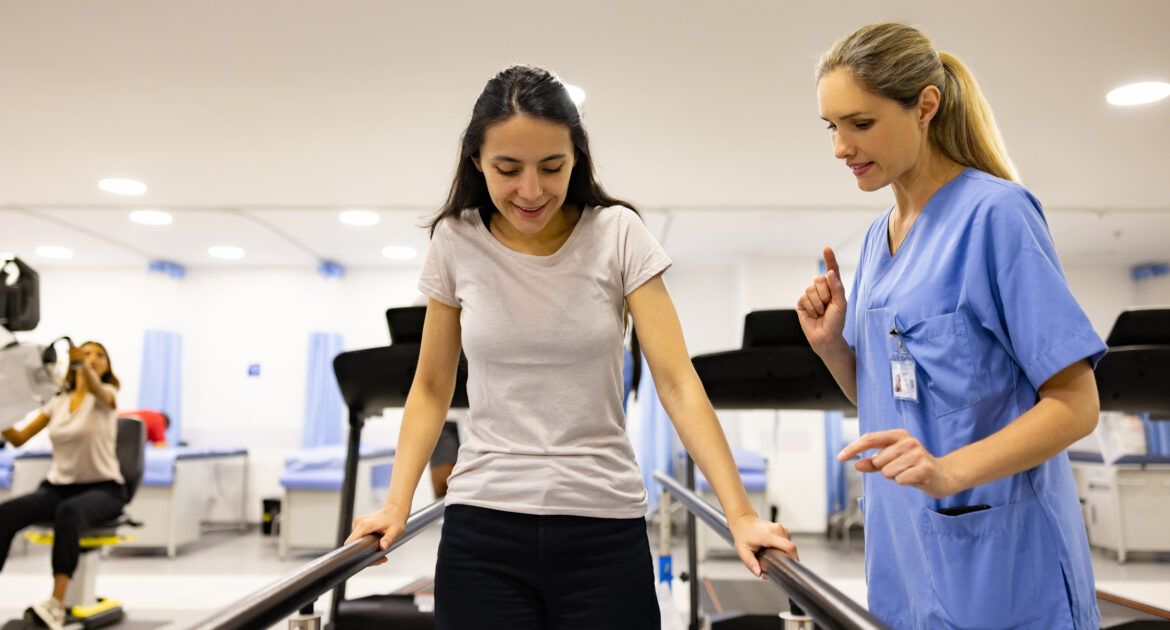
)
(13, 437)
(1067, 411)
(698, 427)
(842, 364)
(422, 422)
(17, 437)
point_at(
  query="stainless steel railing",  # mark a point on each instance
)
(302, 587)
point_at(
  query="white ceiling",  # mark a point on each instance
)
(255, 122)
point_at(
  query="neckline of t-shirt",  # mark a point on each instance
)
(586, 212)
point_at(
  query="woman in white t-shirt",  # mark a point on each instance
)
(84, 484)
(532, 270)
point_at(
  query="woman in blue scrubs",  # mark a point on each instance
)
(963, 348)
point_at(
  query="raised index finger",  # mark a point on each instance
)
(831, 262)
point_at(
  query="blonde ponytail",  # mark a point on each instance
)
(964, 128)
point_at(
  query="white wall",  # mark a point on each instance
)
(1102, 291)
(705, 298)
(1152, 291)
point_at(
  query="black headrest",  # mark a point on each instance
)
(131, 447)
(780, 327)
(406, 323)
(1141, 327)
(20, 289)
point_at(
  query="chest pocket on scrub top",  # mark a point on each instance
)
(941, 347)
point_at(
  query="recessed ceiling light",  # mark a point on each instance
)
(575, 93)
(361, 218)
(396, 252)
(151, 217)
(54, 251)
(131, 187)
(225, 252)
(1139, 93)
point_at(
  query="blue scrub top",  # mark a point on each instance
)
(982, 306)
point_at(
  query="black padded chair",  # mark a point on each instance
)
(84, 607)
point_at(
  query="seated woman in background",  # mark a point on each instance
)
(84, 484)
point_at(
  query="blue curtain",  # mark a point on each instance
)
(324, 408)
(1157, 436)
(656, 453)
(161, 382)
(834, 470)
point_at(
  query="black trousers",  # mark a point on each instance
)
(71, 508)
(508, 571)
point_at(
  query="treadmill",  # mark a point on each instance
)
(371, 380)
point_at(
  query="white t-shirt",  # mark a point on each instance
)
(543, 338)
(84, 441)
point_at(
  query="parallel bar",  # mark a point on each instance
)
(830, 608)
(284, 597)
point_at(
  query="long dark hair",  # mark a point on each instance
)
(108, 377)
(538, 93)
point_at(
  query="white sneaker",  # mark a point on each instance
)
(50, 612)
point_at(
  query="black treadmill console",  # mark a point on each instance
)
(775, 369)
(406, 323)
(1134, 376)
(773, 328)
(1141, 326)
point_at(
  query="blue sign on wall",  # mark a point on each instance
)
(254, 369)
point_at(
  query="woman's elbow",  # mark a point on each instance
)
(1089, 414)
(432, 391)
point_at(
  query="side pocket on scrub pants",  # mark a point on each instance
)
(941, 348)
(988, 569)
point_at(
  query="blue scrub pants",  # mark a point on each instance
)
(507, 571)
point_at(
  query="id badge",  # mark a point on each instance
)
(905, 379)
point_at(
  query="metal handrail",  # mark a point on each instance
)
(284, 597)
(830, 608)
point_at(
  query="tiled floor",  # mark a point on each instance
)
(225, 567)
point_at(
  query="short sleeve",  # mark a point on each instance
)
(641, 256)
(1039, 320)
(438, 276)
